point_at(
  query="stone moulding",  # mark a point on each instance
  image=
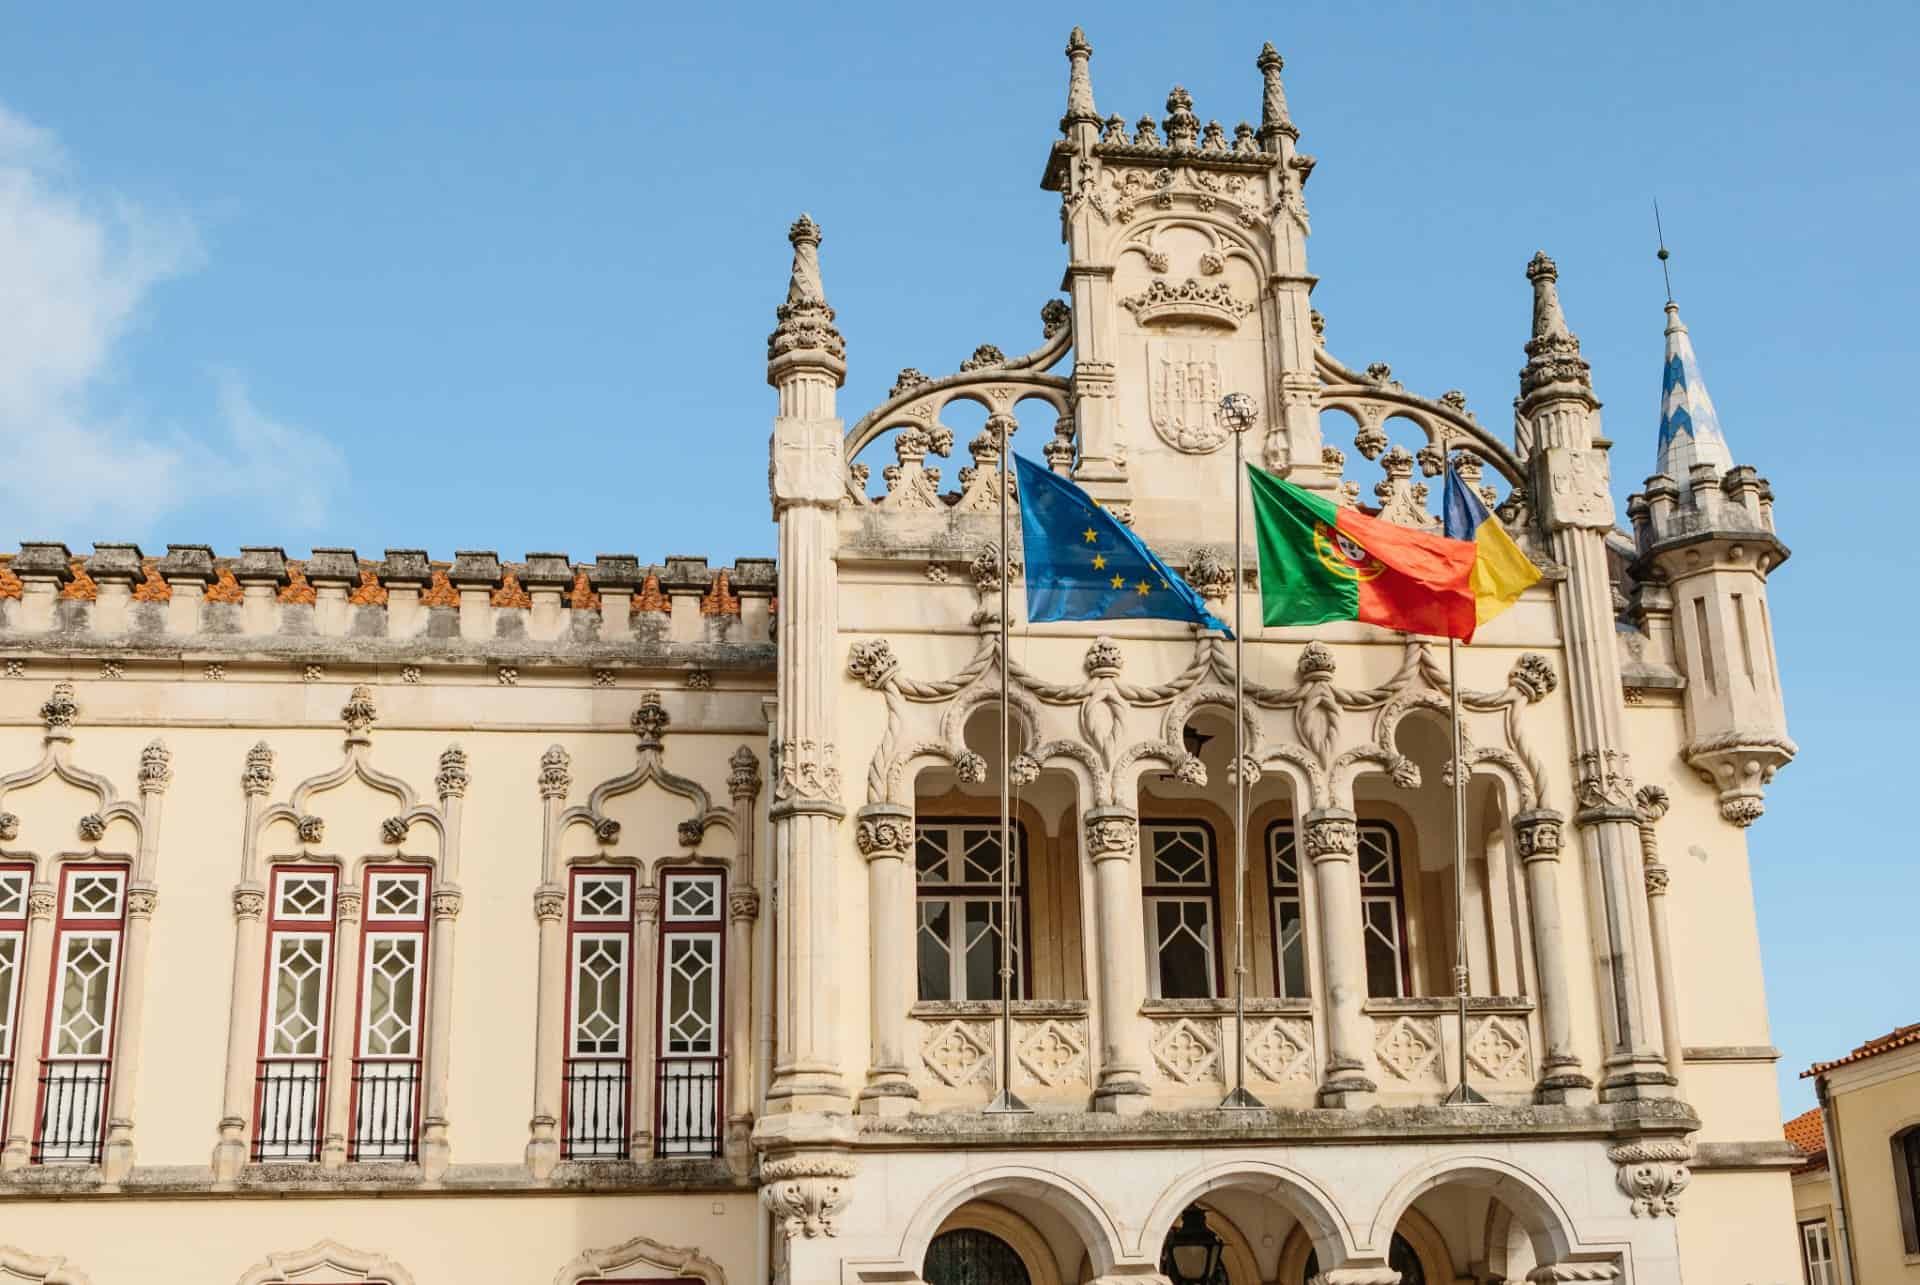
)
(327, 1255)
(18, 1264)
(643, 1257)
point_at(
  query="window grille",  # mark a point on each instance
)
(1180, 896)
(957, 922)
(290, 1083)
(599, 1015)
(80, 1028)
(688, 1072)
(393, 983)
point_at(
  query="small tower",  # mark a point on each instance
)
(1704, 530)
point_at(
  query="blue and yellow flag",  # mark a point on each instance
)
(1501, 573)
(1084, 564)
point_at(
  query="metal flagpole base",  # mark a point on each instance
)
(1241, 1100)
(1005, 1103)
(1463, 1095)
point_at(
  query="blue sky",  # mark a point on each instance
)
(488, 276)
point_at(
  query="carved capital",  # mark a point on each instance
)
(884, 830)
(141, 901)
(808, 769)
(743, 904)
(807, 1193)
(1651, 1174)
(156, 768)
(347, 906)
(1538, 834)
(646, 905)
(1332, 834)
(556, 773)
(743, 775)
(40, 901)
(249, 903)
(446, 903)
(1657, 877)
(1603, 780)
(1112, 833)
(549, 902)
(257, 780)
(452, 778)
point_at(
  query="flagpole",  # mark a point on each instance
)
(1463, 1093)
(1237, 410)
(1004, 1102)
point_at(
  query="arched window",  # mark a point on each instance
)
(1181, 888)
(957, 928)
(1906, 1182)
(1383, 910)
(968, 1256)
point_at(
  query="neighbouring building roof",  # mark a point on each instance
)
(1899, 1037)
(1807, 1132)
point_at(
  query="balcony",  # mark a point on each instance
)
(73, 1108)
(386, 1111)
(688, 1091)
(596, 1109)
(290, 1096)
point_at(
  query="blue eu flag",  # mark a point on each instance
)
(1084, 564)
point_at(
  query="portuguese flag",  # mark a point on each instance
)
(1320, 562)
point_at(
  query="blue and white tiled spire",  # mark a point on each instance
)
(1689, 428)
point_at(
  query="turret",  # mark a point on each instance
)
(1704, 530)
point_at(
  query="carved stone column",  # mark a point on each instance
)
(550, 1022)
(1560, 423)
(340, 1027)
(806, 363)
(646, 952)
(1652, 801)
(1120, 971)
(243, 1032)
(885, 836)
(1537, 838)
(743, 915)
(116, 1157)
(33, 1021)
(435, 1150)
(1333, 847)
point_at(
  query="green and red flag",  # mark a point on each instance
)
(1320, 562)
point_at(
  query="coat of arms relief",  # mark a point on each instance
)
(1184, 387)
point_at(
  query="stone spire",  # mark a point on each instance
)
(806, 333)
(1553, 353)
(1080, 109)
(1274, 120)
(1689, 427)
(1183, 127)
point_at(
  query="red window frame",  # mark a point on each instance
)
(671, 927)
(322, 926)
(12, 925)
(373, 925)
(577, 928)
(66, 924)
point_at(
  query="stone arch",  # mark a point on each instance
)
(1428, 1245)
(19, 1265)
(327, 1262)
(1089, 1218)
(1018, 1234)
(1537, 1210)
(1327, 1227)
(654, 1258)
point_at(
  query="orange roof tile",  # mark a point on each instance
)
(1807, 1132)
(1897, 1038)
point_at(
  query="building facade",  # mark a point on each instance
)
(410, 921)
(1856, 1196)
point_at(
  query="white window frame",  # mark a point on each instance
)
(14, 886)
(10, 983)
(1392, 895)
(625, 991)
(964, 894)
(61, 978)
(418, 881)
(119, 880)
(1282, 838)
(1819, 1271)
(677, 880)
(621, 879)
(283, 878)
(273, 996)
(417, 1035)
(1203, 892)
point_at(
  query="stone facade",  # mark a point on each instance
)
(541, 920)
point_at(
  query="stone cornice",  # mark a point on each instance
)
(296, 1181)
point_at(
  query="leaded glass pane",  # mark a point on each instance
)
(599, 995)
(13, 894)
(936, 958)
(930, 856)
(86, 994)
(693, 897)
(1183, 946)
(393, 997)
(94, 896)
(1286, 859)
(299, 991)
(601, 897)
(1382, 937)
(693, 992)
(1290, 930)
(1180, 856)
(304, 897)
(1377, 868)
(399, 897)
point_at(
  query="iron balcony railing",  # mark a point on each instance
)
(386, 1110)
(73, 1110)
(292, 1094)
(596, 1119)
(689, 1106)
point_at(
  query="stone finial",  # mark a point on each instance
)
(60, 709)
(1214, 137)
(743, 774)
(1116, 129)
(1103, 659)
(1080, 109)
(1146, 133)
(257, 779)
(650, 721)
(1316, 663)
(1274, 120)
(1243, 139)
(452, 779)
(1553, 353)
(556, 773)
(1183, 127)
(358, 713)
(156, 767)
(805, 319)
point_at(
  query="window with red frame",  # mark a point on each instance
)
(14, 884)
(691, 959)
(599, 1013)
(392, 1015)
(291, 1083)
(89, 924)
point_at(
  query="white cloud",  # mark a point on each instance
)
(77, 268)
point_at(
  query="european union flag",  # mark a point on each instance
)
(1084, 564)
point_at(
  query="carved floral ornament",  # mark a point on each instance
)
(1318, 733)
(650, 723)
(1651, 1174)
(807, 1193)
(59, 712)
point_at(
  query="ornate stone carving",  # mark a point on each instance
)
(805, 321)
(310, 828)
(1603, 779)
(1402, 500)
(1211, 574)
(1537, 835)
(141, 902)
(112, 669)
(985, 569)
(358, 713)
(958, 1054)
(1183, 394)
(1053, 1052)
(347, 905)
(549, 902)
(984, 357)
(40, 902)
(650, 721)
(906, 381)
(743, 774)
(60, 709)
(156, 767)
(1553, 354)
(1054, 316)
(93, 827)
(1533, 675)
(646, 905)
(1408, 1047)
(556, 773)
(1185, 1050)
(606, 830)
(1024, 770)
(970, 767)
(1280, 1049)
(452, 779)
(1191, 300)
(410, 674)
(1498, 1047)
(1104, 658)
(313, 673)
(1316, 663)
(394, 830)
(1740, 765)
(1111, 833)
(446, 903)
(743, 904)
(806, 1192)
(690, 832)
(1651, 1174)
(14, 669)
(871, 661)
(249, 903)
(808, 769)
(9, 827)
(1331, 834)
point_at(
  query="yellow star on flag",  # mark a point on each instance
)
(1099, 562)
(1119, 582)
(1142, 587)
(1091, 535)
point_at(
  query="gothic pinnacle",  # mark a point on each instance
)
(805, 320)
(1080, 109)
(1183, 127)
(1553, 352)
(1274, 120)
